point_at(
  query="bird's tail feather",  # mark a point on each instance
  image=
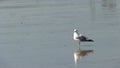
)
(87, 40)
(90, 40)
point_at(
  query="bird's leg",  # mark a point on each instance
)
(79, 45)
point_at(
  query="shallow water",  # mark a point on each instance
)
(38, 34)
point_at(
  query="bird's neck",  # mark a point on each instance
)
(76, 33)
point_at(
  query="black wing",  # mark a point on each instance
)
(83, 38)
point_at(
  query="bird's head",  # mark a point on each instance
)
(75, 30)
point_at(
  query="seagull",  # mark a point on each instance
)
(80, 37)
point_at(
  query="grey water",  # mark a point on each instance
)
(38, 33)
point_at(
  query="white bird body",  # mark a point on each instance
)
(75, 36)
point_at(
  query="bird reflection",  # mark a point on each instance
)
(79, 54)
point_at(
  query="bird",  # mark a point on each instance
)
(80, 37)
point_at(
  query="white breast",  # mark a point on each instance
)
(75, 36)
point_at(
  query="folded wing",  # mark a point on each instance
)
(84, 39)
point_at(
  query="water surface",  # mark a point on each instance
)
(38, 33)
